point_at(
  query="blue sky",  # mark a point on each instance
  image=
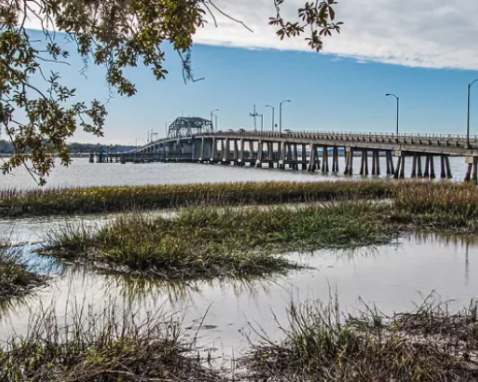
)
(426, 57)
(326, 94)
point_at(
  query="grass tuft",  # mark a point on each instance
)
(216, 243)
(428, 345)
(101, 347)
(15, 279)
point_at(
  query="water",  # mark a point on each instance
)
(393, 277)
(81, 173)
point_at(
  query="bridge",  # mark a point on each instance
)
(194, 140)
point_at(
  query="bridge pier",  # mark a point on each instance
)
(282, 149)
(432, 167)
(325, 160)
(313, 150)
(364, 165)
(260, 147)
(349, 161)
(419, 164)
(414, 166)
(335, 160)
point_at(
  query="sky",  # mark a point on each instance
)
(425, 52)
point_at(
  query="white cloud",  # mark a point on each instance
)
(425, 33)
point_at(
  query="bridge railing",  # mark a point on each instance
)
(339, 133)
(342, 135)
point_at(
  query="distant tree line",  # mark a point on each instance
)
(6, 147)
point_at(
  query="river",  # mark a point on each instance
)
(81, 173)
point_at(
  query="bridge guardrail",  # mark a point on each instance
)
(342, 135)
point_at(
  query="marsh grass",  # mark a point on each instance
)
(15, 279)
(430, 344)
(104, 346)
(218, 243)
(15, 202)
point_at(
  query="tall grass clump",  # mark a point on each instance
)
(15, 279)
(208, 243)
(438, 207)
(427, 345)
(16, 202)
(101, 347)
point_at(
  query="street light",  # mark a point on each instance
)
(280, 115)
(468, 119)
(136, 141)
(273, 115)
(262, 121)
(212, 118)
(398, 106)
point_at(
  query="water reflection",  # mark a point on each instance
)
(392, 277)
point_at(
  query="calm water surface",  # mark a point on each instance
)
(81, 173)
(394, 277)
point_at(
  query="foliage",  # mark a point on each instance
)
(7, 147)
(115, 34)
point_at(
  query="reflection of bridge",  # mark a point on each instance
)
(310, 151)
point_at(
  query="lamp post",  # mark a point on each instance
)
(280, 115)
(398, 106)
(212, 117)
(273, 116)
(262, 121)
(166, 128)
(468, 118)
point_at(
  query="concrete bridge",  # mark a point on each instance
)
(315, 151)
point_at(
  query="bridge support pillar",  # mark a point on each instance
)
(335, 160)
(270, 154)
(295, 157)
(449, 175)
(375, 163)
(282, 154)
(349, 161)
(419, 165)
(389, 160)
(432, 167)
(252, 156)
(214, 150)
(260, 147)
(226, 151)
(442, 166)
(313, 154)
(468, 172)
(445, 167)
(240, 159)
(414, 166)
(396, 173)
(427, 166)
(472, 172)
(324, 164)
(201, 153)
(364, 164)
(235, 158)
(377, 159)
